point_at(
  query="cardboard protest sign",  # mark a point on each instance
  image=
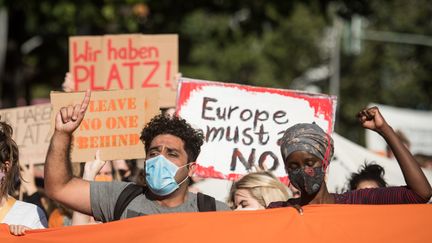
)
(112, 123)
(242, 124)
(132, 61)
(31, 131)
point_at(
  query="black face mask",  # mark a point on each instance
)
(308, 181)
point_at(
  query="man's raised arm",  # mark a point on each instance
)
(60, 184)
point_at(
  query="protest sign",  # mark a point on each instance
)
(112, 123)
(242, 124)
(130, 61)
(31, 131)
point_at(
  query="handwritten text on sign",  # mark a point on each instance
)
(31, 130)
(125, 62)
(113, 122)
(242, 124)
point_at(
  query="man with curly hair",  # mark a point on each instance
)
(172, 147)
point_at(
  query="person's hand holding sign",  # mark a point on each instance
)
(69, 118)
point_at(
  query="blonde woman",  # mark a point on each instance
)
(256, 191)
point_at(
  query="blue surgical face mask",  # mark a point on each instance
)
(160, 173)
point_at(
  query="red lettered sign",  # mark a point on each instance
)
(130, 61)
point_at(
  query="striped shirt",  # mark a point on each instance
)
(383, 195)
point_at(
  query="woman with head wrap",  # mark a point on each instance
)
(307, 151)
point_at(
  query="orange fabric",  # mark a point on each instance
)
(55, 219)
(323, 223)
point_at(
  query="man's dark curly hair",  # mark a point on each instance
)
(176, 126)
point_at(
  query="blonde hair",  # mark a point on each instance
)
(263, 186)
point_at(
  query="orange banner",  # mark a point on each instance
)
(324, 223)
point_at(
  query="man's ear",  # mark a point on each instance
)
(192, 168)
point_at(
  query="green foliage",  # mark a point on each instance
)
(388, 73)
(263, 43)
(223, 50)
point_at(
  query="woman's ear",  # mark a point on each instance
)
(7, 166)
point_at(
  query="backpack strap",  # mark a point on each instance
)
(128, 194)
(205, 203)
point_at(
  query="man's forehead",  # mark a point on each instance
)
(167, 141)
(164, 147)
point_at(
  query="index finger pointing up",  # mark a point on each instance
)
(85, 101)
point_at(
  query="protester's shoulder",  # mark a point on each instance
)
(221, 206)
(403, 194)
(354, 196)
(281, 204)
(26, 208)
(395, 194)
(112, 186)
(379, 190)
(27, 214)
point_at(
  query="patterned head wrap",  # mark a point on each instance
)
(310, 138)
